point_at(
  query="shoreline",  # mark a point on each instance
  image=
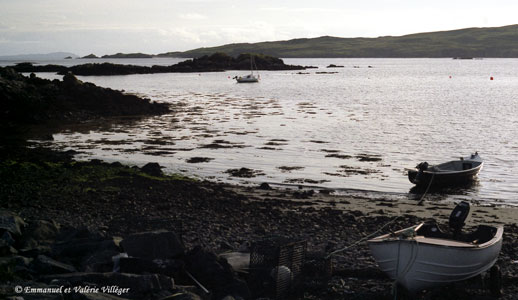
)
(96, 200)
(118, 200)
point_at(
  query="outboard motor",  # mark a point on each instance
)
(458, 216)
(421, 167)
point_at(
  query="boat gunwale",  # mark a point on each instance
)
(392, 237)
(428, 171)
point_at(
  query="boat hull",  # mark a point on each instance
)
(443, 179)
(247, 80)
(452, 173)
(418, 265)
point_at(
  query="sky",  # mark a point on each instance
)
(157, 26)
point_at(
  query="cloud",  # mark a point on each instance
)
(192, 16)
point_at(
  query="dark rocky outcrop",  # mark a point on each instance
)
(32, 100)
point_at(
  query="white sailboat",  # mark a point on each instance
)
(250, 77)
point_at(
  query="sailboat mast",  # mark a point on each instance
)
(251, 66)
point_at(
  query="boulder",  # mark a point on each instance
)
(153, 245)
(11, 223)
(7, 238)
(97, 296)
(15, 265)
(137, 284)
(77, 249)
(182, 295)
(46, 265)
(170, 267)
(153, 169)
(215, 274)
(38, 233)
(6, 249)
(99, 261)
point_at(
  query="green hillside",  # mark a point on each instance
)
(469, 42)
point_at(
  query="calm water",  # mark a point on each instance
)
(313, 128)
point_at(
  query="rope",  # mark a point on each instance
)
(382, 227)
(363, 239)
(426, 191)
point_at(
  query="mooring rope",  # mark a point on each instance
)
(382, 227)
(362, 239)
(426, 191)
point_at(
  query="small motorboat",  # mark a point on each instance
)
(455, 172)
(423, 256)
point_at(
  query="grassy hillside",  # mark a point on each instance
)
(469, 42)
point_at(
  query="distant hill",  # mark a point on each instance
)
(47, 56)
(469, 42)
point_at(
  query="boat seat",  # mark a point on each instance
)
(432, 229)
(482, 234)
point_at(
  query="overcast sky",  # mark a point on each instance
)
(156, 26)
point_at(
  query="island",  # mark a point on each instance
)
(90, 56)
(217, 62)
(128, 55)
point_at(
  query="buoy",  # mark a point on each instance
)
(491, 78)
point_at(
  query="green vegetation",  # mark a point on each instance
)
(469, 42)
(33, 175)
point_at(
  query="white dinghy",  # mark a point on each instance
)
(422, 256)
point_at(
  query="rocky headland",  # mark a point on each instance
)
(28, 101)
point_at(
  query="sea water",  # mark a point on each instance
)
(356, 127)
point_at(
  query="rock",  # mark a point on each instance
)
(184, 295)
(77, 249)
(38, 233)
(11, 222)
(7, 238)
(215, 274)
(46, 265)
(32, 294)
(170, 267)
(153, 169)
(265, 186)
(136, 284)
(70, 80)
(97, 296)
(153, 245)
(99, 261)
(238, 260)
(15, 265)
(6, 249)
